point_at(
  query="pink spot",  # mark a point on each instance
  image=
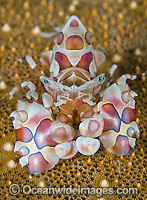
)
(62, 60)
(74, 42)
(35, 119)
(122, 146)
(60, 134)
(23, 134)
(37, 164)
(93, 126)
(84, 148)
(43, 136)
(117, 102)
(74, 23)
(128, 115)
(110, 110)
(110, 124)
(60, 131)
(60, 38)
(85, 61)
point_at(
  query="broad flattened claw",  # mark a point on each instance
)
(66, 150)
(118, 111)
(34, 143)
(120, 142)
(87, 146)
(92, 127)
(61, 132)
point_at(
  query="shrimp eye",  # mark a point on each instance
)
(60, 38)
(101, 78)
(87, 37)
(46, 82)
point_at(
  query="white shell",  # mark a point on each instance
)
(97, 126)
(61, 132)
(87, 146)
(66, 150)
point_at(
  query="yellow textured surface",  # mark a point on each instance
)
(119, 29)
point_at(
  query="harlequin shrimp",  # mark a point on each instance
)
(69, 119)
